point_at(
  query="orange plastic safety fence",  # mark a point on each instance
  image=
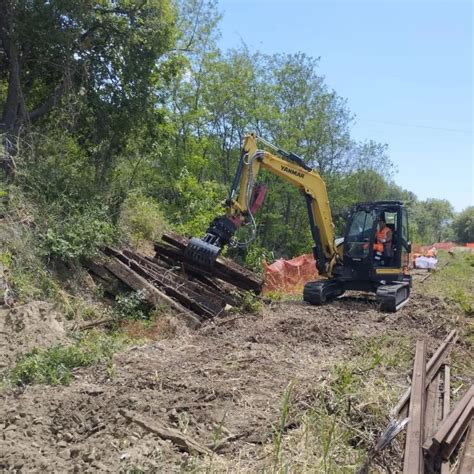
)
(289, 276)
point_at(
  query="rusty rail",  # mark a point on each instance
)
(413, 462)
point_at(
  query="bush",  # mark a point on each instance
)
(132, 306)
(141, 218)
(78, 234)
(198, 203)
(463, 225)
(54, 365)
(255, 257)
(251, 303)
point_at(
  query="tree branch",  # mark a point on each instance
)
(50, 102)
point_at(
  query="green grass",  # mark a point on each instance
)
(388, 351)
(350, 407)
(281, 427)
(454, 282)
(251, 303)
(54, 366)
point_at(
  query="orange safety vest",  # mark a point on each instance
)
(382, 234)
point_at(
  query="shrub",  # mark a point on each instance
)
(132, 306)
(141, 218)
(255, 257)
(463, 225)
(78, 234)
(197, 205)
(54, 365)
(251, 303)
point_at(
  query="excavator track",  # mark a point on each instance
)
(392, 297)
(323, 291)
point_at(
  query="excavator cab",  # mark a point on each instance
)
(368, 265)
(363, 260)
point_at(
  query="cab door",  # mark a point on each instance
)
(358, 244)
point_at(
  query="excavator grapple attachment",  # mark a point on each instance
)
(202, 253)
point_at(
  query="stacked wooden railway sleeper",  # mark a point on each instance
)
(168, 278)
(435, 429)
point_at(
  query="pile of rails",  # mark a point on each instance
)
(168, 278)
(434, 429)
(436, 433)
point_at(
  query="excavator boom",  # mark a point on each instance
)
(245, 197)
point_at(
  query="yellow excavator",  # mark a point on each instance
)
(354, 262)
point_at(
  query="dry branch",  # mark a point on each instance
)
(434, 271)
(94, 324)
(180, 440)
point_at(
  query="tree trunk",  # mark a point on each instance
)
(14, 110)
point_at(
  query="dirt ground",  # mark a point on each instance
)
(23, 328)
(229, 376)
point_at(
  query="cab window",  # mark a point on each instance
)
(360, 231)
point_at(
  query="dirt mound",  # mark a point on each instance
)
(23, 328)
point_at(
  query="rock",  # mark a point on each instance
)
(88, 457)
(95, 420)
(75, 452)
(99, 466)
(68, 437)
(65, 454)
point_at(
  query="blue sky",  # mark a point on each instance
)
(406, 68)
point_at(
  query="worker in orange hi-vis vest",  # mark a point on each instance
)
(383, 241)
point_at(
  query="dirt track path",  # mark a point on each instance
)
(231, 373)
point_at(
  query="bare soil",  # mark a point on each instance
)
(23, 328)
(228, 377)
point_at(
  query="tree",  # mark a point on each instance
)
(114, 55)
(431, 220)
(463, 225)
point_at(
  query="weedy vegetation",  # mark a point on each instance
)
(454, 280)
(55, 365)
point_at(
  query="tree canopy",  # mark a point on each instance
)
(112, 101)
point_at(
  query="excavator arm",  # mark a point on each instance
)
(245, 197)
